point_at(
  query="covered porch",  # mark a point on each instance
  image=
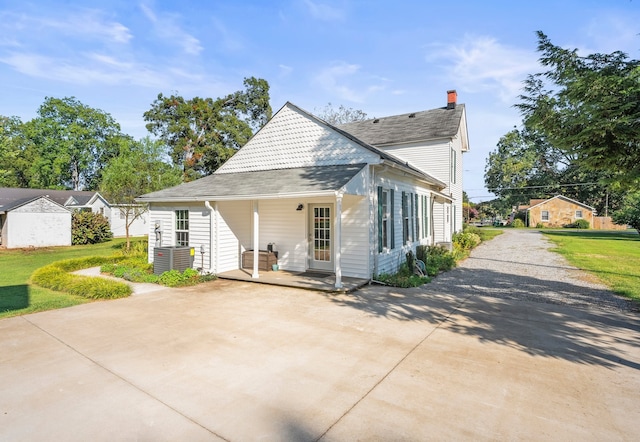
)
(324, 282)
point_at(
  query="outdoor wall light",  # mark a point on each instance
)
(300, 206)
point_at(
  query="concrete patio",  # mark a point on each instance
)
(324, 282)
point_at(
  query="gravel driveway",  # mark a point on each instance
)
(519, 265)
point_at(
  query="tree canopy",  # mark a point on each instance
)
(69, 144)
(202, 133)
(138, 169)
(341, 115)
(588, 107)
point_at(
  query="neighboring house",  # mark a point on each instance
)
(321, 196)
(71, 200)
(117, 220)
(34, 222)
(557, 212)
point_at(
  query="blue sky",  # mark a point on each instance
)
(382, 57)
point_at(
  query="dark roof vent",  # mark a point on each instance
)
(376, 120)
(412, 115)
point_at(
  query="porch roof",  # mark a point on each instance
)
(261, 184)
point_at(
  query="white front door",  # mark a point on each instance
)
(321, 237)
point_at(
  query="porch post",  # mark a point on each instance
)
(338, 242)
(256, 244)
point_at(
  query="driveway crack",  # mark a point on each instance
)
(125, 380)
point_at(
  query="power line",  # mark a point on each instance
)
(548, 185)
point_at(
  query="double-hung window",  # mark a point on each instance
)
(578, 213)
(182, 227)
(405, 218)
(385, 219)
(545, 215)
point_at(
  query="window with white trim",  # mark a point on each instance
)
(454, 166)
(385, 219)
(578, 213)
(544, 216)
(405, 218)
(182, 227)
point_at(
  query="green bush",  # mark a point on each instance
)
(579, 224)
(436, 259)
(404, 278)
(539, 226)
(89, 228)
(517, 223)
(466, 240)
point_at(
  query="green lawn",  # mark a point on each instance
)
(17, 297)
(487, 233)
(613, 256)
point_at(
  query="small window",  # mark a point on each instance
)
(578, 213)
(545, 215)
(454, 168)
(182, 227)
(405, 218)
(385, 219)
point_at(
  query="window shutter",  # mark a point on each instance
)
(379, 219)
(393, 220)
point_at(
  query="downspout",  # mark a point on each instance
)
(211, 230)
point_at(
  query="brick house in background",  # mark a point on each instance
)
(557, 212)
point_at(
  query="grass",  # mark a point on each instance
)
(612, 256)
(487, 233)
(18, 297)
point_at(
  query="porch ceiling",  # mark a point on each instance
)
(281, 183)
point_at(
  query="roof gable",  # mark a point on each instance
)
(294, 138)
(441, 123)
(62, 197)
(565, 198)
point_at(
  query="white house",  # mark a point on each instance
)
(321, 196)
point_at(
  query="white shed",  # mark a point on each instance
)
(35, 222)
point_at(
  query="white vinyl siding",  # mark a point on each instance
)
(281, 224)
(355, 237)
(301, 141)
(234, 233)
(198, 230)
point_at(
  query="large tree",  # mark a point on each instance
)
(70, 144)
(589, 107)
(202, 133)
(138, 169)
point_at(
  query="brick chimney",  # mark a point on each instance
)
(452, 99)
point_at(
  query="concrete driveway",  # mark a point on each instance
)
(239, 361)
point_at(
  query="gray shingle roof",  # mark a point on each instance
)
(256, 184)
(406, 128)
(9, 195)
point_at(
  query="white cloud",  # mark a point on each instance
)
(90, 69)
(285, 70)
(480, 63)
(88, 24)
(166, 27)
(345, 81)
(323, 11)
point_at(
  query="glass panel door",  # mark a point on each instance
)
(321, 246)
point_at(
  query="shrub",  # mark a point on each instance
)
(466, 240)
(539, 226)
(517, 223)
(403, 278)
(89, 228)
(579, 224)
(56, 276)
(436, 259)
